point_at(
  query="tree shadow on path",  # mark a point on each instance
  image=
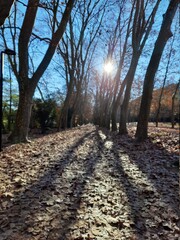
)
(152, 196)
(49, 207)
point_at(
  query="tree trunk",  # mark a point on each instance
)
(77, 103)
(124, 107)
(5, 7)
(108, 121)
(173, 101)
(164, 35)
(159, 105)
(70, 118)
(116, 104)
(63, 119)
(20, 133)
(113, 117)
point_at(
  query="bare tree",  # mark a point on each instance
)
(103, 101)
(138, 29)
(164, 34)
(77, 49)
(140, 32)
(120, 86)
(108, 84)
(27, 84)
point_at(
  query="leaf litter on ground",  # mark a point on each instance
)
(89, 183)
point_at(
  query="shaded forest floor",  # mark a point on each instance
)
(88, 183)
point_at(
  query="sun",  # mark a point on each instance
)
(108, 67)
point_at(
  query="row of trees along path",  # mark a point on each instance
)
(88, 183)
(78, 63)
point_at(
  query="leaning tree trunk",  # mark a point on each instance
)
(164, 35)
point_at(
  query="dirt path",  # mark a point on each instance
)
(88, 184)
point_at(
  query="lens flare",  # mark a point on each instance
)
(108, 67)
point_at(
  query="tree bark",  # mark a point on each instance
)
(173, 101)
(20, 133)
(5, 7)
(164, 35)
(159, 104)
(63, 120)
(124, 107)
(115, 106)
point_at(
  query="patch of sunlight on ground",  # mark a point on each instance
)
(135, 175)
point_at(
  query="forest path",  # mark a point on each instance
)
(87, 183)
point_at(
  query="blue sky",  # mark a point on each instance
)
(56, 81)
